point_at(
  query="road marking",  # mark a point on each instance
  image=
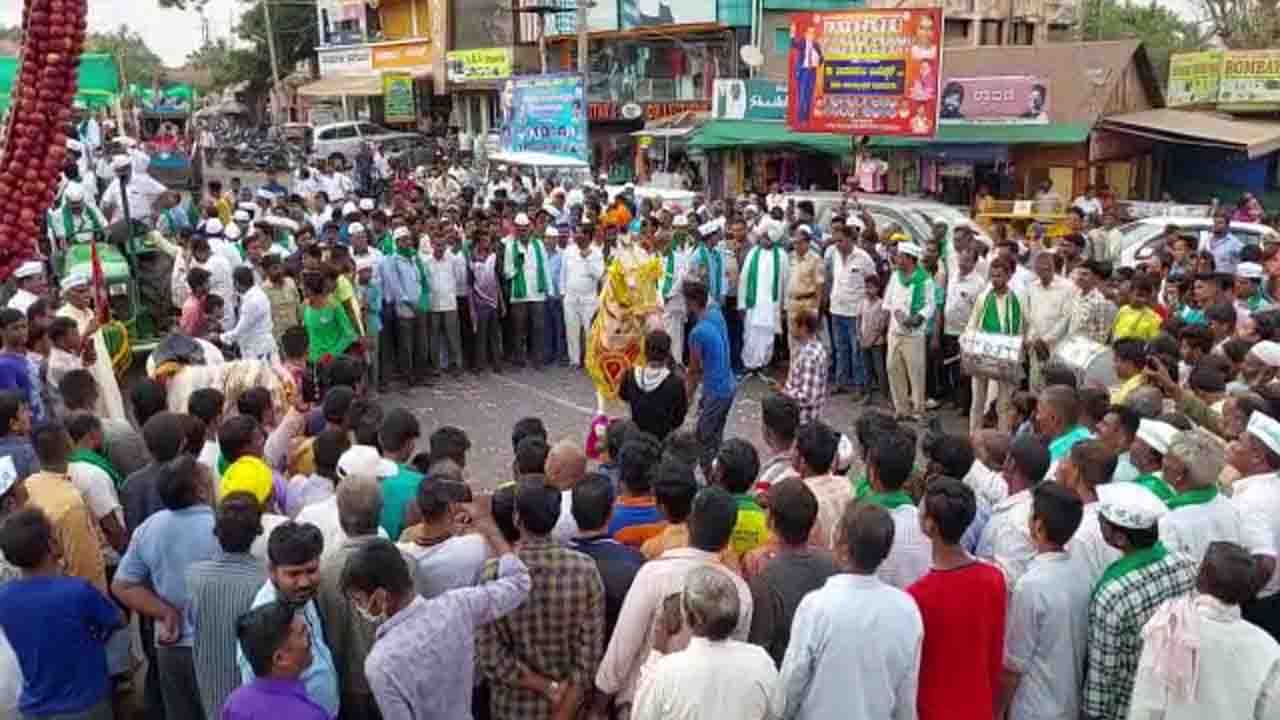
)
(590, 412)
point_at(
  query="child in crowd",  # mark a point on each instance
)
(875, 338)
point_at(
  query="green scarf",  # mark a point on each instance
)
(424, 294)
(861, 487)
(889, 501)
(1129, 563)
(669, 273)
(519, 286)
(711, 260)
(1157, 485)
(1012, 314)
(388, 243)
(1198, 496)
(90, 457)
(916, 282)
(753, 275)
(222, 465)
(66, 221)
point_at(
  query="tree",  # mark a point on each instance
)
(1243, 24)
(1161, 30)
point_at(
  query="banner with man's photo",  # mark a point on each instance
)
(995, 100)
(545, 113)
(865, 72)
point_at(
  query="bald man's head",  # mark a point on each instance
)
(566, 465)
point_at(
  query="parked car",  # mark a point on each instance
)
(1146, 232)
(341, 141)
(914, 216)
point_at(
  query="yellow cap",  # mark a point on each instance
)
(897, 237)
(248, 474)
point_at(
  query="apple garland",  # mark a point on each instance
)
(35, 148)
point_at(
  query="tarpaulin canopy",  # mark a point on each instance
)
(97, 78)
(980, 134)
(753, 134)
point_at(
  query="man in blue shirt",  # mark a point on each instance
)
(556, 339)
(1222, 244)
(152, 577)
(293, 569)
(708, 366)
(58, 626)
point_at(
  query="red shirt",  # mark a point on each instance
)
(964, 617)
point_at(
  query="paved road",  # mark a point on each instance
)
(487, 407)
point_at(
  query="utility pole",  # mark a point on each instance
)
(584, 43)
(275, 68)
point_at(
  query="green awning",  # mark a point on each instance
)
(1051, 134)
(749, 134)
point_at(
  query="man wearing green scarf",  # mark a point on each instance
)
(674, 260)
(76, 221)
(1128, 594)
(909, 300)
(407, 298)
(761, 290)
(525, 267)
(890, 456)
(999, 310)
(98, 481)
(1147, 452)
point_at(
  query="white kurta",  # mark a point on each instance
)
(1048, 627)
(1191, 528)
(1258, 497)
(708, 681)
(1087, 547)
(110, 403)
(1006, 540)
(763, 321)
(910, 555)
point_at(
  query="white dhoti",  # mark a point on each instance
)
(673, 321)
(760, 327)
(110, 403)
(579, 312)
(762, 315)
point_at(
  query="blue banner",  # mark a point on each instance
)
(545, 113)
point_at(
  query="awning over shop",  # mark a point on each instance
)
(751, 134)
(1050, 134)
(338, 85)
(1254, 138)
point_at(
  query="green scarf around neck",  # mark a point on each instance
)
(67, 219)
(1129, 563)
(424, 280)
(1012, 324)
(519, 284)
(90, 457)
(753, 275)
(916, 282)
(889, 501)
(1157, 485)
(669, 273)
(1198, 496)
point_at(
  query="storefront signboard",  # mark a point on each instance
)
(545, 113)
(610, 112)
(402, 55)
(483, 64)
(995, 100)
(750, 100)
(1250, 80)
(398, 98)
(654, 13)
(347, 61)
(865, 72)
(1194, 78)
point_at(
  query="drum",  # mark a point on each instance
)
(992, 355)
(1092, 362)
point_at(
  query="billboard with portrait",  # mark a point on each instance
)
(995, 100)
(545, 113)
(865, 72)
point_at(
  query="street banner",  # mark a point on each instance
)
(1250, 80)
(1194, 78)
(545, 113)
(865, 72)
(481, 64)
(764, 100)
(397, 98)
(995, 100)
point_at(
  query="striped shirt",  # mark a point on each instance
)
(220, 590)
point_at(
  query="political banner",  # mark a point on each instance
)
(1250, 80)
(996, 100)
(865, 72)
(480, 64)
(398, 101)
(764, 100)
(545, 113)
(1194, 78)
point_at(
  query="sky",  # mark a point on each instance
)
(174, 33)
(170, 33)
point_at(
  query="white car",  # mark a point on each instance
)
(342, 140)
(1146, 232)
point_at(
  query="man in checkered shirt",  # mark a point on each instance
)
(1130, 591)
(807, 382)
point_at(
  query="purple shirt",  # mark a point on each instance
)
(269, 699)
(423, 660)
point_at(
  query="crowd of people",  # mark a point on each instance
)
(279, 542)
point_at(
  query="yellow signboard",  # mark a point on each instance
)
(1193, 78)
(482, 64)
(1250, 80)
